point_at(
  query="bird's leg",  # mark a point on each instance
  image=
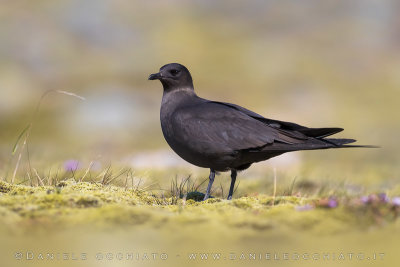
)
(233, 180)
(210, 183)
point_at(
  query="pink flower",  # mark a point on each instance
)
(396, 201)
(71, 165)
(332, 203)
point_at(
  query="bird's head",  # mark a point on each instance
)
(173, 76)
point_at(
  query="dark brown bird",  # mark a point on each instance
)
(226, 137)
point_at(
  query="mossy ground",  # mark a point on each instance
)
(131, 218)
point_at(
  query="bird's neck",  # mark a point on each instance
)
(177, 98)
(178, 94)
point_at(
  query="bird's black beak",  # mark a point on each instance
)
(155, 76)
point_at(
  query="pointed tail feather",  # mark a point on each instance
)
(342, 142)
(366, 146)
(338, 141)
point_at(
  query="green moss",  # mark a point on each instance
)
(195, 195)
(269, 201)
(190, 202)
(104, 206)
(5, 187)
(88, 201)
(243, 203)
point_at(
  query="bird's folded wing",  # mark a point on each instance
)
(293, 128)
(215, 125)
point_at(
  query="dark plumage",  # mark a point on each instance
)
(223, 136)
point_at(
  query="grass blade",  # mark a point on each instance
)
(70, 94)
(15, 147)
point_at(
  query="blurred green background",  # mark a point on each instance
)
(330, 63)
(317, 63)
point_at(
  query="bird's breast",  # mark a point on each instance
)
(189, 145)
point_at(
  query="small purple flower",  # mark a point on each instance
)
(332, 203)
(71, 165)
(304, 207)
(364, 199)
(383, 198)
(396, 201)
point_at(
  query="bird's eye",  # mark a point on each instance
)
(174, 72)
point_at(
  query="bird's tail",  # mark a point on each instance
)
(343, 142)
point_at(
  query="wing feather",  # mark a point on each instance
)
(292, 129)
(217, 127)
